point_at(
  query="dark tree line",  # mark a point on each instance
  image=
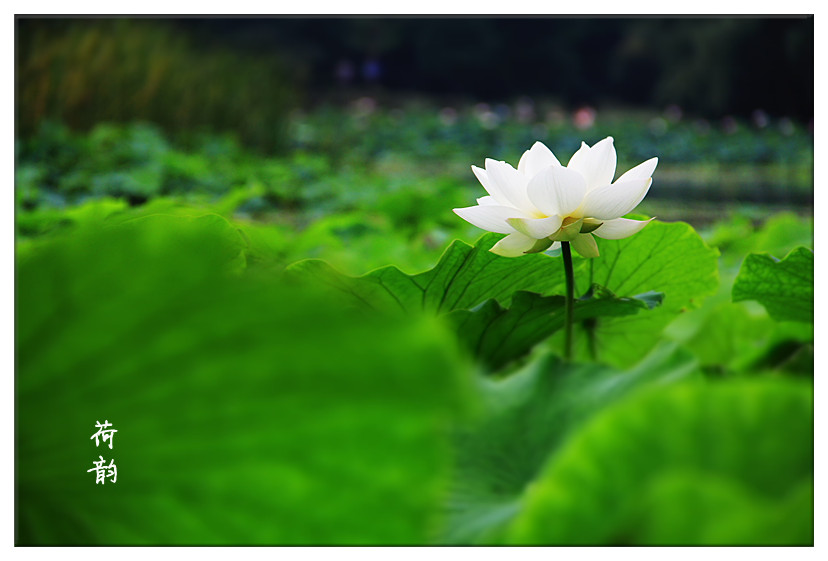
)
(708, 66)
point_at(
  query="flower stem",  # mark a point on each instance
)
(570, 299)
(591, 324)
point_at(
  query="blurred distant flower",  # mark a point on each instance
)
(760, 118)
(364, 106)
(673, 113)
(502, 111)
(371, 70)
(525, 110)
(786, 126)
(584, 118)
(542, 202)
(487, 118)
(448, 116)
(345, 71)
(730, 125)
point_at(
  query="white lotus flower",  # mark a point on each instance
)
(542, 203)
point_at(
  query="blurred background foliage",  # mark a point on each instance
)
(244, 75)
(168, 173)
(322, 116)
(82, 72)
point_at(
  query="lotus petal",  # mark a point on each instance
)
(536, 159)
(492, 188)
(510, 184)
(490, 217)
(536, 227)
(585, 245)
(641, 171)
(557, 190)
(613, 201)
(596, 164)
(620, 228)
(513, 245)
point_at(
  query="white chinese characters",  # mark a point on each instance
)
(103, 471)
(104, 433)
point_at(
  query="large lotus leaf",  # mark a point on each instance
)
(740, 337)
(715, 464)
(723, 511)
(498, 335)
(781, 232)
(730, 336)
(524, 420)
(43, 221)
(464, 277)
(247, 413)
(663, 257)
(785, 288)
(778, 235)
